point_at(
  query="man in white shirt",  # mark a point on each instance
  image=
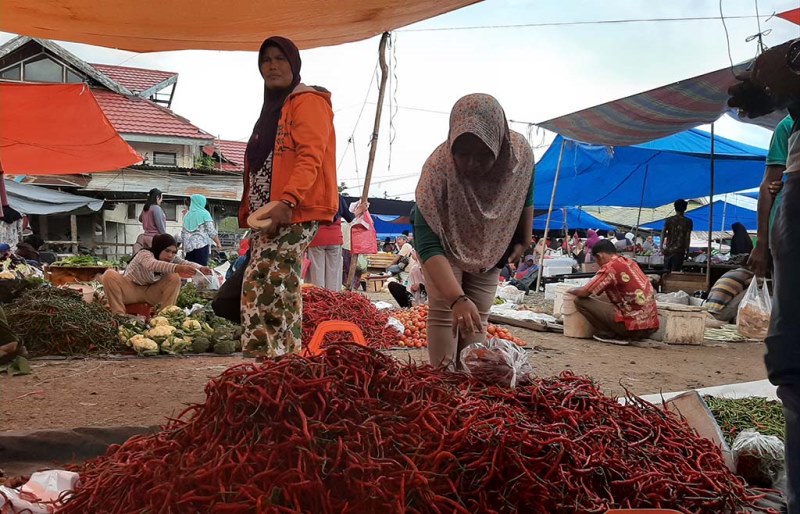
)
(401, 260)
(774, 83)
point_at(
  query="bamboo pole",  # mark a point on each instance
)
(641, 201)
(549, 214)
(373, 145)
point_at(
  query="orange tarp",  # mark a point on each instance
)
(793, 16)
(57, 129)
(158, 25)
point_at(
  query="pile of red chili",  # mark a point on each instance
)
(355, 431)
(323, 305)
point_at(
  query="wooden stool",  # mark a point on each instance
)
(139, 309)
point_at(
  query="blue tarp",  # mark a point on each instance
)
(724, 217)
(576, 219)
(674, 167)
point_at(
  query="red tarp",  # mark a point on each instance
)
(793, 15)
(57, 129)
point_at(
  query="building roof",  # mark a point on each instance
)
(134, 115)
(182, 183)
(232, 152)
(137, 80)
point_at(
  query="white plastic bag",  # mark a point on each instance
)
(759, 458)
(37, 495)
(496, 362)
(511, 294)
(752, 320)
(395, 324)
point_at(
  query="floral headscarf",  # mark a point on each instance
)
(476, 216)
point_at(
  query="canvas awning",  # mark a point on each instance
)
(157, 25)
(646, 175)
(55, 129)
(41, 201)
(657, 113)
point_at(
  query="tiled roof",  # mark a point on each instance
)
(232, 151)
(133, 115)
(134, 79)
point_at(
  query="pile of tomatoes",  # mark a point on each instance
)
(415, 321)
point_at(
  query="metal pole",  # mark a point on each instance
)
(710, 214)
(641, 201)
(373, 145)
(549, 214)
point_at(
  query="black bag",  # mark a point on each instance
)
(228, 302)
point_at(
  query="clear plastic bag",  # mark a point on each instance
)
(496, 362)
(759, 458)
(752, 320)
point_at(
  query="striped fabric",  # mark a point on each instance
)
(728, 287)
(651, 115)
(144, 269)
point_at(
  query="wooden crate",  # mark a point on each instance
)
(680, 324)
(375, 284)
(380, 261)
(680, 281)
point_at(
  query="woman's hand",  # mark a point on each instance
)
(271, 217)
(185, 271)
(466, 318)
(205, 270)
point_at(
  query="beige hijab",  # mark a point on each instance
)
(475, 217)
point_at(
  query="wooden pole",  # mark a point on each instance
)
(373, 145)
(73, 229)
(641, 201)
(549, 214)
(710, 214)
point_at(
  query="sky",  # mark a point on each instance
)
(536, 72)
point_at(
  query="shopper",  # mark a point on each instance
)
(325, 251)
(198, 232)
(153, 219)
(676, 237)
(474, 203)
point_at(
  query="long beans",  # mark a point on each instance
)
(355, 431)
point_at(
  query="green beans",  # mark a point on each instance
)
(735, 415)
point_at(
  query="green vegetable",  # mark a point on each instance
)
(736, 415)
(189, 296)
(225, 347)
(82, 260)
(201, 345)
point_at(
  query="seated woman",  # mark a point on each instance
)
(153, 276)
(631, 312)
(413, 292)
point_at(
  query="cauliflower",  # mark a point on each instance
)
(191, 325)
(145, 346)
(135, 339)
(160, 331)
(159, 321)
(172, 310)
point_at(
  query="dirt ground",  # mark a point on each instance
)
(93, 392)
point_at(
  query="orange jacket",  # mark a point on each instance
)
(304, 159)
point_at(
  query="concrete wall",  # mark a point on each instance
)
(184, 154)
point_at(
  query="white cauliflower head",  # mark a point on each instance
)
(160, 331)
(159, 321)
(191, 324)
(171, 310)
(134, 339)
(145, 346)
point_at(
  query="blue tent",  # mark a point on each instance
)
(649, 174)
(723, 213)
(390, 226)
(576, 219)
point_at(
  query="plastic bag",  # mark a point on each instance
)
(752, 320)
(496, 362)
(511, 294)
(759, 458)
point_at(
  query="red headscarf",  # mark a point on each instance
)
(262, 142)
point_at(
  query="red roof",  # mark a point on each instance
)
(133, 115)
(232, 151)
(134, 79)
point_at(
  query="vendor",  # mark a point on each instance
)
(474, 204)
(153, 276)
(726, 295)
(632, 313)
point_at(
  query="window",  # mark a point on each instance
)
(13, 73)
(73, 78)
(165, 159)
(170, 211)
(43, 69)
(132, 211)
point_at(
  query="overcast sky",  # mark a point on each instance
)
(536, 72)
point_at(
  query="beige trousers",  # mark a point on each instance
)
(121, 291)
(602, 316)
(443, 348)
(326, 266)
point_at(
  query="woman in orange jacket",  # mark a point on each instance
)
(290, 180)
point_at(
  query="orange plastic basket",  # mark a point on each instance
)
(326, 327)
